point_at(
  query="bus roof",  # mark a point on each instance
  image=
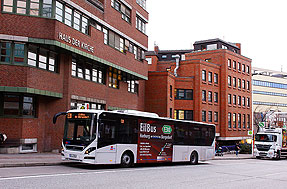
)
(135, 113)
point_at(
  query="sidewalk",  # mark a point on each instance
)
(45, 159)
(233, 157)
(30, 159)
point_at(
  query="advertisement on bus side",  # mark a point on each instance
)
(155, 141)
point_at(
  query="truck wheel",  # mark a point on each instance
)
(127, 159)
(194, 158)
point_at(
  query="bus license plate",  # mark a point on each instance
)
(73, 155)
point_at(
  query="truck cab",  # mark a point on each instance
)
(270, 143)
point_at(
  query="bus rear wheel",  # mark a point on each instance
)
(194, 158)
(127, 160)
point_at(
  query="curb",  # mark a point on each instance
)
(233, 158)
(32, 164)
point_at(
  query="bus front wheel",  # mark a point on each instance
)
(127, 159)
(194, 158)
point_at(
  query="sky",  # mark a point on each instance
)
(259, 25)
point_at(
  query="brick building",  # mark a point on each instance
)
(59, 54)
(210, 83)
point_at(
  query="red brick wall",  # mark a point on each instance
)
(49, 136)
(189, 77)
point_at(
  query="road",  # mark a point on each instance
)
(243, 173)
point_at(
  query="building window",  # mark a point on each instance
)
(140, 24)
(203, 116)
(239, 83)
(183, 114)
(72, 18)
(244, 121)
(239, 66)
(234, 99)
(183, 94)
(47, 8)
(19, 53)
(215, 116)
(211, 47)
(7, 5)
(234, 81)
(142, 3)
(149, 60)
(115, 77)
(243, 101)
(248, 121)
(247, 69)
(239, 120)
(203, 75)
(42, 58)
(229, 120)
(239, 100)
(68, 16)
(77, 20)
(105, 36)
(216, 97)
(59, 11)
(204, 95)
(32, 7)
(234, 120)
(248, 85)
(21, 6)
(5, 51)
(170, 91)
(116, 41)
(209, 96)
(75, 104)
(229, 63)
(91, 72)
(229, 98)
(243, 67)
(133, 86)
(229, 81)
(124, 10)
(248, 102)
(210, 77)
(209, 116)
(215, 78)
(17, 105)
(243, 84)
(234, 64)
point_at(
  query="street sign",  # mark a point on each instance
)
(261, 124)
(250, 133)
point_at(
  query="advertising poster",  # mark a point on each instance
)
(154, 141)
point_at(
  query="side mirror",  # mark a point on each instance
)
(57, 115)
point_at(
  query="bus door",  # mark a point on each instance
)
(106, 147)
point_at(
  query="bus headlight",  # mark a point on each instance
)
(90, 150)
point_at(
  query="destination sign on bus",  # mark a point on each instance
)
(78, 116)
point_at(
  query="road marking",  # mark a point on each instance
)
(86, 173)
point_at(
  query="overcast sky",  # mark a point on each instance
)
(259, 25)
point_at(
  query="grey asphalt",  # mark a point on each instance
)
(48, 159)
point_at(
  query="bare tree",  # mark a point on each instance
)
(260, 114)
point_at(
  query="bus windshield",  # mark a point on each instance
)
(78, 128)
(265, 138)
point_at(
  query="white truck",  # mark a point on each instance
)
(271, 143)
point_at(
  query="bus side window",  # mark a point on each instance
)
(107, 133)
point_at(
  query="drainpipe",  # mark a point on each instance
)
(177, 64)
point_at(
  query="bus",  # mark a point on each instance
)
(127, 137)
